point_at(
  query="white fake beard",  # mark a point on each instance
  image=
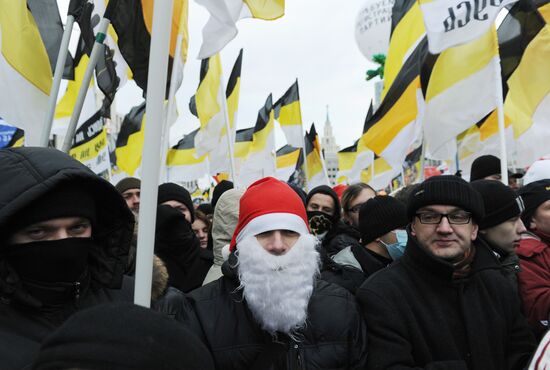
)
(277, 288)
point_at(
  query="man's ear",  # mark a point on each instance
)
(475, 229)
(413, 232)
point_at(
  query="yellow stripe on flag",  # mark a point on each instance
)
(406, 35)
(22, 46)
(463, 60)
(183, 157)
(289, 159)
(290, 115)
(266, 9)
(403, 112)
(529, 83)
(65, 106)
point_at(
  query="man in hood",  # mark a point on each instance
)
(64, 239)
(269, 310)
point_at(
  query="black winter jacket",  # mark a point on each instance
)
(340, 236)
(418, 317)
(352, 275)
(27, 174)
(218, 314)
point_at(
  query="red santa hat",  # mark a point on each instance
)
(269, 204)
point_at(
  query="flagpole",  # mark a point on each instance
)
(306, 171)
(94, 56)
(228, 135)
(501, 128)
(156, 90)
(172, 95)
(58, 75)
(422, 156)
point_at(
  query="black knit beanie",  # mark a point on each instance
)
(122, 336)
(446, 190)
(327, 190)
(219, 189)
(533, 195)
(484, 166)
(170, 191)
(70, 199)
(500, 202)
(127, 184)
(380, 215)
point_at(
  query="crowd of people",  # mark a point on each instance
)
(444, 274)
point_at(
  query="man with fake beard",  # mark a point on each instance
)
(269, 310)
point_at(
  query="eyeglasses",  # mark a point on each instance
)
(434, 218)
(355, 208)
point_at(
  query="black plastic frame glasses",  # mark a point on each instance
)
(434, 218)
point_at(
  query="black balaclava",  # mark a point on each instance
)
(52, 271)
(170, 191)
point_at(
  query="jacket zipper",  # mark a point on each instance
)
(76, 290)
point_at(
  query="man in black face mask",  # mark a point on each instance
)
(64, 239)
(323, 210)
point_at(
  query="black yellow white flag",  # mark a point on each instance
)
(289, 115)
(129, 143)
(182, 162)
(454, 99)
(260, 160)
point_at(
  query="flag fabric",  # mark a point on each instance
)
(221, 26)
(288, 160)
(346, 160)
(454, 100)
(243, 141)
(289, 115)
(364, 156)
(209, 105)
(25, 71)
(529, 85)
(260, 160)
(383, 173)
(65, 107)
(406, 33)
(132, 21)
(455, 22)
(316, 174)
(182, 162)
(395, 125)
(129, 143)
(48, 20)
(10, 136)
(90, 146)
(219, 157)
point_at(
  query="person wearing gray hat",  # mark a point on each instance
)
(437, 306)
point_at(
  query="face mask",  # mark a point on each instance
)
(50, 261)
(319, 222)
(397, 249)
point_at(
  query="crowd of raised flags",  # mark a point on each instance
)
(453, 80)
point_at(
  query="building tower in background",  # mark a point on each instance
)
(330, 150)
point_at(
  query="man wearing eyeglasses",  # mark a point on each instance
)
(445, 304)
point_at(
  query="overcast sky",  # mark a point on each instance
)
(313, 42)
